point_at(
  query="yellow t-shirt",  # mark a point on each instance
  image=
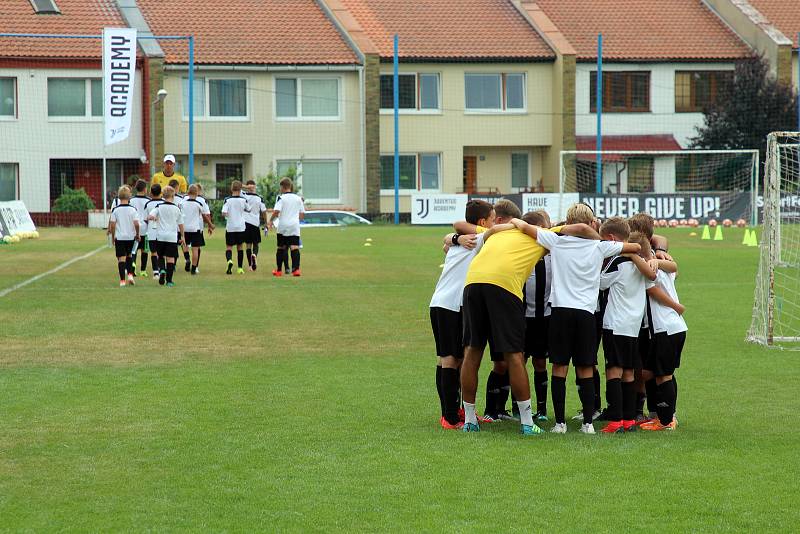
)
(506, 260)
(163, 181)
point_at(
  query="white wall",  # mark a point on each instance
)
(32, 139)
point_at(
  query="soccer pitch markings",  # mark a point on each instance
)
(246, 402)
(67, 263)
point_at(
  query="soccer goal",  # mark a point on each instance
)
(776, 307)
(674, 185)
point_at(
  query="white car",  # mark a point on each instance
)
(323, 218)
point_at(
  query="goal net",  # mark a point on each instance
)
(677, 185)
(776, 309)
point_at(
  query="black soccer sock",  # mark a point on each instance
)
(121, 269)
(279, 259)
(439, 389)
(186, 255)
(493, 384)
(640, 398)
(451, 385)
(652, 395)
(540, 387)
(586, 394)
(163, 263)
(144, 261)
(170, 271)
(502, 395)
(598, 402)
(295, 259)
(228, 255)
(285, 259)
(255, 249)
(666, 402)
(675, 403)
(249, 253)
(129, 264)
(154, 262)
(194, 269)
(628, 400)
(558, 390)
(614, 399)
(239, 257)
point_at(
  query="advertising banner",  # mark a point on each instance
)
(437, 209)
(14, 217)
(119, 74)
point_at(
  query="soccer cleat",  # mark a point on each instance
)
(470, 427)
(530, 430)
(131, 280)
(559, 428)
(143, 274)
(449, 426)
(505, 416)
(197, 270)
(579, 415)
(253, 263)
(587, 428)
(642, 418)
(629, 425)
(614, 427)
(188, 266)
(538, 416)
(296, 272)
(133, 268)
(657, 426)
(240, 271)
(277, 273)
(170, 284)
(155, 275)
(489, 418)
(162, 278)
(230, 267)
(122, 283)
(602, 417)
(286, 271)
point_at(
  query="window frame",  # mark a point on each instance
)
(15, 167)
(504, 109)
(87, 101)
(227, 161)
(713, 88)
(418, 166)
(527, 172)
(417, 94)
(206, 116)
(607, 93)
(299, 98)
(55, 11)
(15, 83)
(333, 159)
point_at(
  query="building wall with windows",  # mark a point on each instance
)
(251, 121)
(487, 110)
(55, 115)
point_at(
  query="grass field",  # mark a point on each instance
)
(246, 403)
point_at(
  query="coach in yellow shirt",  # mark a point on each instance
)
(164, 177)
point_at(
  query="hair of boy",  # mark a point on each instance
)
(124, 193)
(169, 192)
(141, 186)
(199, 188)
(537, 218)
(287, 184)
(236, 185)
(506, 209)
(642, 222)
(155, 190)
(616, 226)
(643, 241)
(477, 210)
(193, 189)
(580, 213)
(173, 183)
(250, 182)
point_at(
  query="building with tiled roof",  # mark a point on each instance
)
(786, 18)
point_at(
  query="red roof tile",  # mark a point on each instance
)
(78, 17)
(645, 30)
(277, 32)
(782, 14)
(447, 30)
(625, 142)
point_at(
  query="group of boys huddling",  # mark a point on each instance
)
(158, 223)
(532, 291)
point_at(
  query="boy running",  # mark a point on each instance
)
(291, 211)
(124, 230)
(233, 209)
(170, 231)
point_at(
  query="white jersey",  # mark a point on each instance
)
(539, 285)
(193, 211)
(204, 202)
(576, 268)
(169, 216)
(257, 207)
(139, 202)
(290, 207)
(449, 292)
(124, 216)
(666, 319)
(626, 297)
(233, 209)
(179, 200)
(152, 226)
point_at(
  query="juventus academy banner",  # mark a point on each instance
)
(119, 73)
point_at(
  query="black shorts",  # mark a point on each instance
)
(288, 240)
(154, 246)
(123, 247)
(195, 239)
(167, 249)
(644, 348)
(620, 351)
(447, 332)
(665, 353)
(598, 329)
(572, 337)
(252, 233)
(234, 238)
(537, 331)
(494, 315)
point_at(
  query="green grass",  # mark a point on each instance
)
(248, 403)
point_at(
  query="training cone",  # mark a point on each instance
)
(746, 238)
(753, 239)
(706, 233)
(718, 234)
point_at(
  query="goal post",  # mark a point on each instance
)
(776, 306)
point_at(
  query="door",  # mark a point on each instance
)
(470, 174)
(225, 174)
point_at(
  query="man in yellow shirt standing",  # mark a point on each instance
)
(163, 178)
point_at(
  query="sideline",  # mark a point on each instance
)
(67, 263)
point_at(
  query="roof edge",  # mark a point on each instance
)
(340, 28)
(544, 26)
(348, 25)
(755, 17)
(133, 17)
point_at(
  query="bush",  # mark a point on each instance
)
(215, 206)
(73, 200)
(268, 187)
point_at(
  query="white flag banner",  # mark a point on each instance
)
(119, 73)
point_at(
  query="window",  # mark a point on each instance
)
(217, 98)
(74, 97)
(697, 90)
(307, 98)
(519, 169)
(8, 181)
(225, 174)
(418, 172)
(495, 92)
(417, 91)
(640, 175)
(8, 97)
(318, 179)
(622, 92)
(45, 7)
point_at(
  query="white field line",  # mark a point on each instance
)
(67, 263)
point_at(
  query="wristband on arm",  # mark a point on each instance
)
(454, 240)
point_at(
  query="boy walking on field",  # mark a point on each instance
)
(170, 232)
(152, 229)
(234, 209)
(291, 211)
(124, 230)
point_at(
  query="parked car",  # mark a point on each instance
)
(322, 218)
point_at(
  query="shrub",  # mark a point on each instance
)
(73, 200)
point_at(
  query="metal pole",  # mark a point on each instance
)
(105, 186)
(798, 81)
(599, 106)
(152, 139)
(190, 178)
(396, 84)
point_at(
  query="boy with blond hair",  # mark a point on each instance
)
(170, 232)
(123, 227)
(234, 209)
(152, 229)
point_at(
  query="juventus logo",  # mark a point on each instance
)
(424, 207)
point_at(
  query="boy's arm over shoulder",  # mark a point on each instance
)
(580, 230)
(644, 267)
(463, 227)
(497, 228)
(663, 298)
